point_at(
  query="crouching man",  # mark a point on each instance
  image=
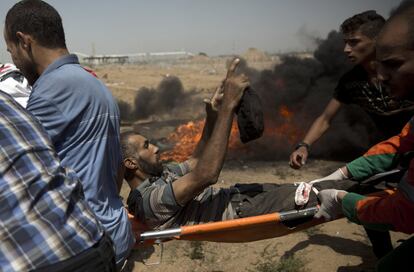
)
(395, 56)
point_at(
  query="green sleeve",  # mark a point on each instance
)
(349, 203)
(367, 166)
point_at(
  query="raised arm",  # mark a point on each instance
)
(319, 127)
(211, 159)
(211, 106)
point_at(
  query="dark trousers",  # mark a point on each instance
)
(399, 259)
(100, 257)
(256, 199)
(381, 242)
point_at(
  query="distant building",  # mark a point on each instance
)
(132, 58)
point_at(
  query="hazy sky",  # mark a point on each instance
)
(210, 26)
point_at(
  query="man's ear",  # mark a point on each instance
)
(24, 40)
(130, 164)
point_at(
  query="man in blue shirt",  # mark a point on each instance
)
(45, 223)
(77, 111)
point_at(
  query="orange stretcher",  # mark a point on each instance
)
(234, 231)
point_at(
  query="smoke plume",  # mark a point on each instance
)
(295, 92)
(164, 99)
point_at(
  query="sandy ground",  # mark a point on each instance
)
(201, 74)
(334, 246)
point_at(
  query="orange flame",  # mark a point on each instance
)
(287, 128)
(187, 136)
(284, 111)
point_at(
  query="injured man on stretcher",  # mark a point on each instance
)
(153, 201)
(176, 194)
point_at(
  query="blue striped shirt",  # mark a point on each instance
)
(43, 217)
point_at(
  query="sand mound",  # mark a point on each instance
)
(255, 55)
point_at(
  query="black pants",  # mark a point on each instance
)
(100, 257)
(381, 242)
(399, 259)
(256, 199)
(262, 198)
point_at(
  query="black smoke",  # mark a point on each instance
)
(168, 97)
(304, 86)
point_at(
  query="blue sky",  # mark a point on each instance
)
(214, 26)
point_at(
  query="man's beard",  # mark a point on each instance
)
(149, 168)
(29, 72)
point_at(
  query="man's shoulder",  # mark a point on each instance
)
(70, 75)
(71, 85)
(178, 168)
(151, 184)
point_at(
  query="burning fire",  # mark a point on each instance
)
(284, 111)
(280, 130)
(187, 136)
(286, 129)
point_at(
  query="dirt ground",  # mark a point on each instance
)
(200, 73)
(334, 246)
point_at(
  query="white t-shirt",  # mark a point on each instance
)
(14, 83)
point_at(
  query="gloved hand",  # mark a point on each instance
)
(330, 207)
(337, 176)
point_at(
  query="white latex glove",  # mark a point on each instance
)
(330, 207)
(337, 176)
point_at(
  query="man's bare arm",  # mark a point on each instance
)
(319, 127)
(211, 117)
(212, 156)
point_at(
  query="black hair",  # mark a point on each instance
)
(38, 19)
(406, 11)
(369, 23)
(127, 148)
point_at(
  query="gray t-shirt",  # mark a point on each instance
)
(153, 202)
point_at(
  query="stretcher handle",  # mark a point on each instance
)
(298, 214)
(174, 232)
(160, 234)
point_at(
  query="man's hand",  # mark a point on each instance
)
(213, 104)
(215, 101)
(331, 204)
(338, 175)
(210, 110)
(234, 87)
(298, 157)
(217, 97)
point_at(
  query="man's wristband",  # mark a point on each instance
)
(299, 145)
